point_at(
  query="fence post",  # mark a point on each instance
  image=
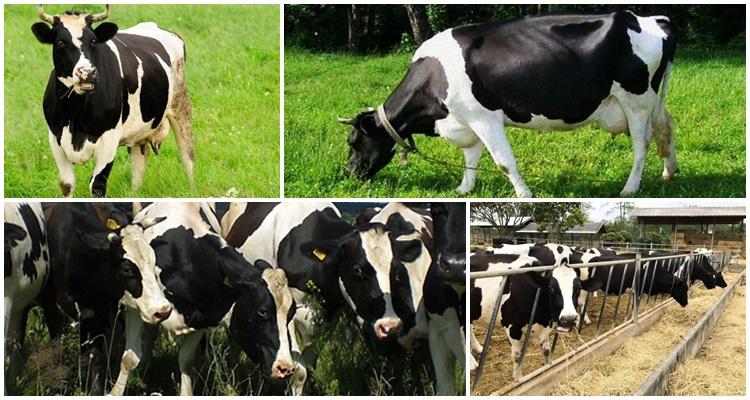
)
(488, 338)
(637, 297)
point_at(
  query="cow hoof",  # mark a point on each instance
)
(463, 191)
(525, 194)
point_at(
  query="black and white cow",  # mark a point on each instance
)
(555, 72)
(110, 89)
(445, 294)
(700, 268)
(97, 265)
(209, 284)
(26, 271)
(558, 300)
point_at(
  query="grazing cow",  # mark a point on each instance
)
(110, 89)
(558, 295)
(26, 271)
(655, 277)
(555, 72)
(96, 266)
(327, 257)
(702, 269)
(209, 284)
(445, 294)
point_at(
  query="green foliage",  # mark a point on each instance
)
(324, 27)
(233, 80)
(706, 98)
(656, 237)
(617, 237)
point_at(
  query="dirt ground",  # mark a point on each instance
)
(498, 369)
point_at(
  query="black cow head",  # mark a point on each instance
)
(262, 314)
(680, 291)
(363, 262)
(370, 146)
(562, 286)
(709, 276)
(75, 43)
(449, 222)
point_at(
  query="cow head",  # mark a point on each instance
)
(370, 146)
(75, 44)
(449, 222)
(562, 287)
(262, 314)
(363, 262)
(680, 291)
(139, 275)
(708, 274)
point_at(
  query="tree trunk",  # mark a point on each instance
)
(419, 25)
(354, 17)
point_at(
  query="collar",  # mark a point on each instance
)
(391, 131)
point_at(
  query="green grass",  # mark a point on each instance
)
(706, 98)
(233, 79)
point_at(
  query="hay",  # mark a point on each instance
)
(625, 370)
(719, 368)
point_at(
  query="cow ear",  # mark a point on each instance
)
(44, 34)
(95, 240)
(157, 242)
(591, 284)
(320, 251)
(366, 123)
(233, 276)
(408, 250)
(14, 233)
(105, 31)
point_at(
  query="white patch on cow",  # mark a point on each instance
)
(282, 297)
(377, 247)
(140, 253)
(565, 277)
(75, 24)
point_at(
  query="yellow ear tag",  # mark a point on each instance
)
(320, 254)
(112, 224)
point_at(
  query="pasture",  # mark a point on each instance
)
(232, 69)
(706, 98)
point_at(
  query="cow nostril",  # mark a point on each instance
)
(161, 316)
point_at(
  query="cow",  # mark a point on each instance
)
(96, 266)
(445, 294)
(26, 271)
(325, 257)
(112, 88)
(209, 284)
(701, 268)
(558, 295)
(554, 72)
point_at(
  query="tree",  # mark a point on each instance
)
(355, 17)
(420, 27)
(558, 217)
(501, 215)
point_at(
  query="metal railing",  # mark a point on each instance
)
(718, 260)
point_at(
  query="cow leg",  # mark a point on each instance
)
(300, 371)
(106, 150)
(133, 351)
(475, 345)
(180, 116)
(664, 135)
(64, 167)
(639, 125)
(138, 157)
(492, 132)
(186, 359)
(514, 334)
(442, 362)
(472, 154)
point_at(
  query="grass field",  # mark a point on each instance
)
(232, 70)
(706, 98)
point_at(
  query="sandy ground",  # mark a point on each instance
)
(498, 369)
(719, 368)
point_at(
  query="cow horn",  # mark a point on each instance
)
(44, 16)
(349, 121)
(101, 16)
(112, 236)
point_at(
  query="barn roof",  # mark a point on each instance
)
(689, 212)
(587, 228)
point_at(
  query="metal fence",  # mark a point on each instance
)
(718, 260)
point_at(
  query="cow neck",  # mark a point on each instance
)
(407, 115)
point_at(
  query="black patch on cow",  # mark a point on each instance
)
(524, 66)
(481, 262)
(248, 222)
(669, 45)
(205, 219)
(99, 187)
(154, 83)
(37, 237)
(560, 249)
(13, 235)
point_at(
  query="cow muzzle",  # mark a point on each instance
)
(387, 328)
(86, 79)
(566, 323)
(161, 315)
(282, 369)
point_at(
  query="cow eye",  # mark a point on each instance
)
(127, 270)
(358, 272)
(262, 315)
(60, 44)
(93, 42)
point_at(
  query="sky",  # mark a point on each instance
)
(607, 210)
